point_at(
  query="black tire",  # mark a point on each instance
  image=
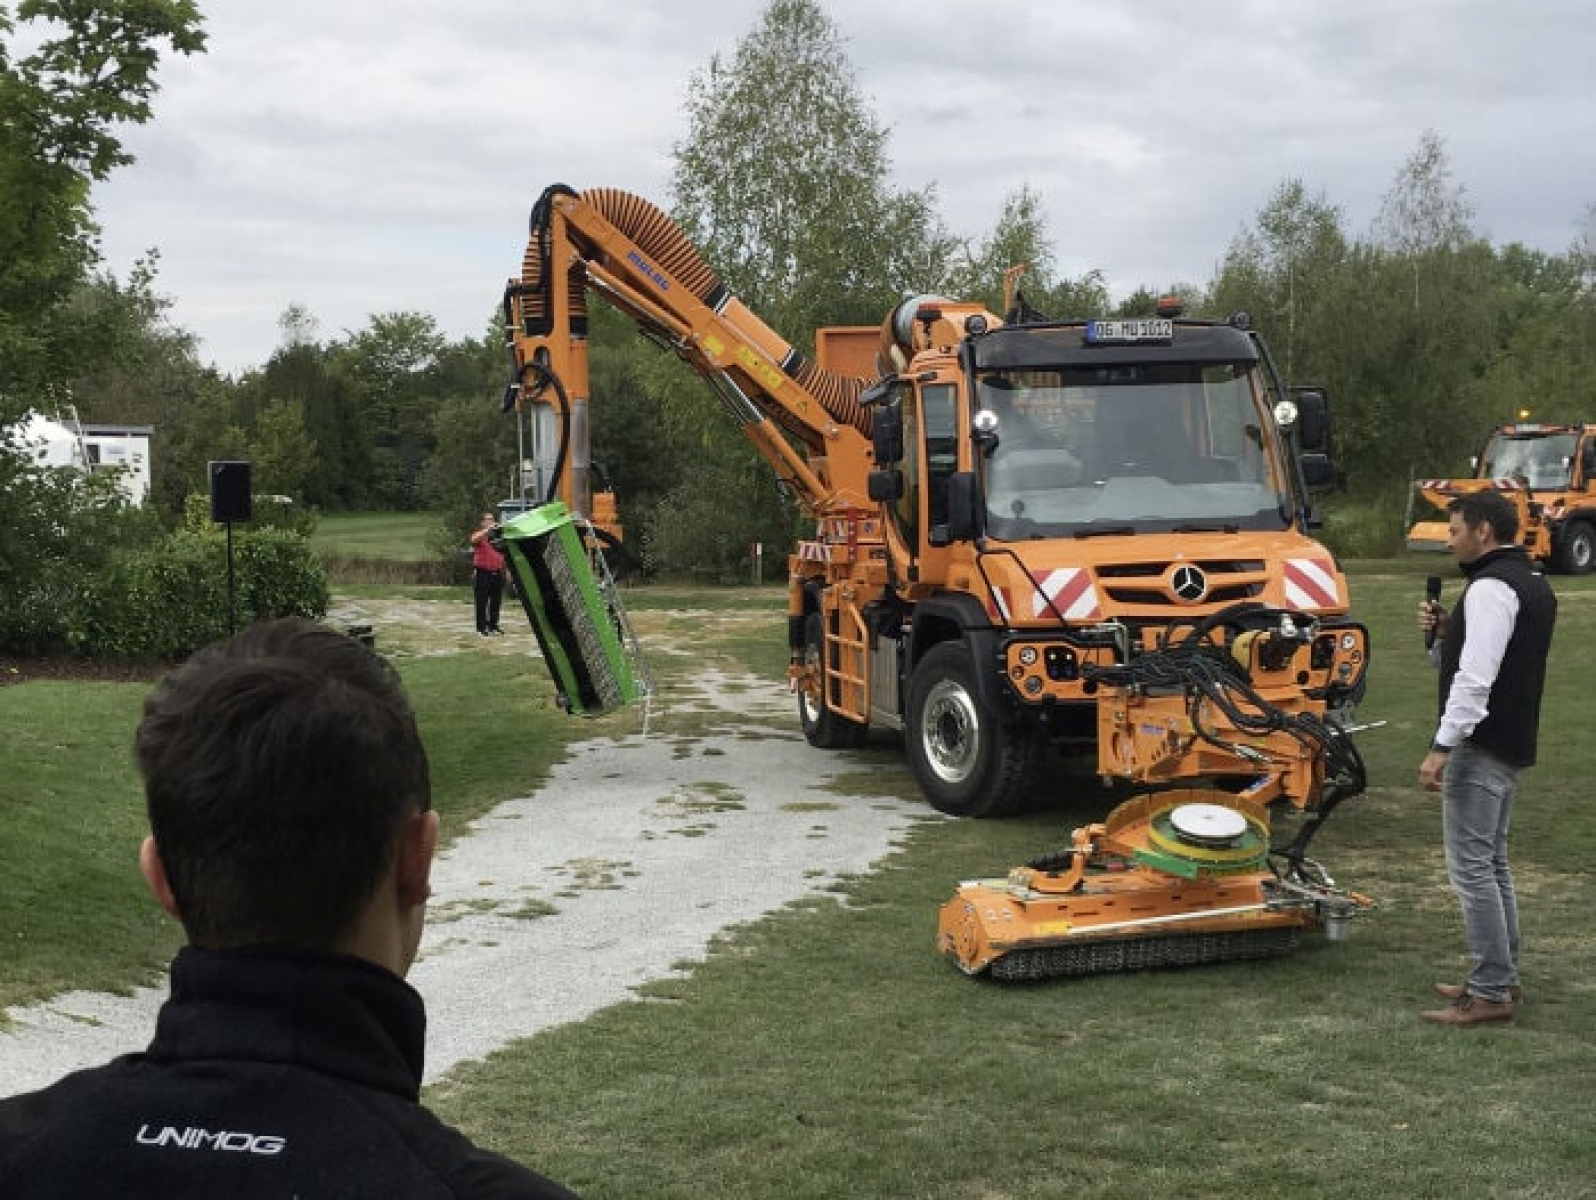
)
(966, 762)
(1576, 548)
(823, 728)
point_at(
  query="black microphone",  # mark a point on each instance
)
(1432, 597)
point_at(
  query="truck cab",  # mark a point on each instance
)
(1064, 497)
(1548, 472)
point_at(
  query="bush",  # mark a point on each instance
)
(279, 575)
(157, 601)
(266, 512)
(703, 529)
(1367, 527)
(166, 600)
(59, 530)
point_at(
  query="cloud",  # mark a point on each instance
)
(360, 158)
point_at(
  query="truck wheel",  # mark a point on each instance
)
(967, 764)
(822, 727)
(1576, 549)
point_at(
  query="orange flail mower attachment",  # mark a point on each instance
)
(1170, 878)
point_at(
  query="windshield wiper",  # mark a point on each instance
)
(1220, 528)
(1106, 531)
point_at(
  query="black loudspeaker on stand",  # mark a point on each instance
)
(230, 501)
(230, 492)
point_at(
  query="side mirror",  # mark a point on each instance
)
(1318, 471)
(1313, 421)
(886, 436)
(876, 392)
(885, 485)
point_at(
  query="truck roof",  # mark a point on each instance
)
(1065, 344)
(1536, 429)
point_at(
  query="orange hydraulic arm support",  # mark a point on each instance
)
(632, 254)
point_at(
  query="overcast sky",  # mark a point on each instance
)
(357, 157)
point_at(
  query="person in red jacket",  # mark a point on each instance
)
(487, 570)
(292, 833)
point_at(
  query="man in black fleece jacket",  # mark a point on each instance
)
(292, 834)
(1492, 652)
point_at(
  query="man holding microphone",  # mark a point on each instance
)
(1491, 652)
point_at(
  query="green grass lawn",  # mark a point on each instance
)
(826, 1050)
(395, 537)
(73, 911)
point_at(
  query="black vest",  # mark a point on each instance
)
(1513, 709)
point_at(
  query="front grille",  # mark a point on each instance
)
(1146, 583)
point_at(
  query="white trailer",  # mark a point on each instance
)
(123, 447)
(90, 448)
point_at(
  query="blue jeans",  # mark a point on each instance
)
(1477, 793)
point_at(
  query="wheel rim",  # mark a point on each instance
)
(950, 732)
(1582, 549)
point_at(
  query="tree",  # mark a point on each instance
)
(633, 442)
(783, 182)
(93, 70)
(1424, 211)
(1282, 272)
(1434, 305)
(282, 450)
(393, 367)
(139, 369)
(1019, 239)
(1424, 214)
(470, 470)
(308, 376)
(297, 326)
(1547, 365)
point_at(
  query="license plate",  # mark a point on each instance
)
(1155, 329)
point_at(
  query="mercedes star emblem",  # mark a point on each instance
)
(1188, 583)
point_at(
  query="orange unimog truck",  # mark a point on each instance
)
(1032, 538)
(1549, 473)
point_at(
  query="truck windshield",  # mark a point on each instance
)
(1152, 447)
(1543, 460)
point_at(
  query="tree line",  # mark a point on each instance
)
(1424, 331)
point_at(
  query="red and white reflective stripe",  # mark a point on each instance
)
(1311, 583)
(1454, 487)
(813, 552)
(1069, 590)
(998, 604)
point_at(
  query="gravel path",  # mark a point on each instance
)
(619, 871)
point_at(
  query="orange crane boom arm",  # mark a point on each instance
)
(628, 251)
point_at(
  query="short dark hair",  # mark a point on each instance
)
(278, 766)
(1488, 508)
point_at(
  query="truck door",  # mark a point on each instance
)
(918, 463)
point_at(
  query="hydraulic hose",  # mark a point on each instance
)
(662, 241)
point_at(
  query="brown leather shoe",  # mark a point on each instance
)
(1470, 1010)
(1456, 991)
